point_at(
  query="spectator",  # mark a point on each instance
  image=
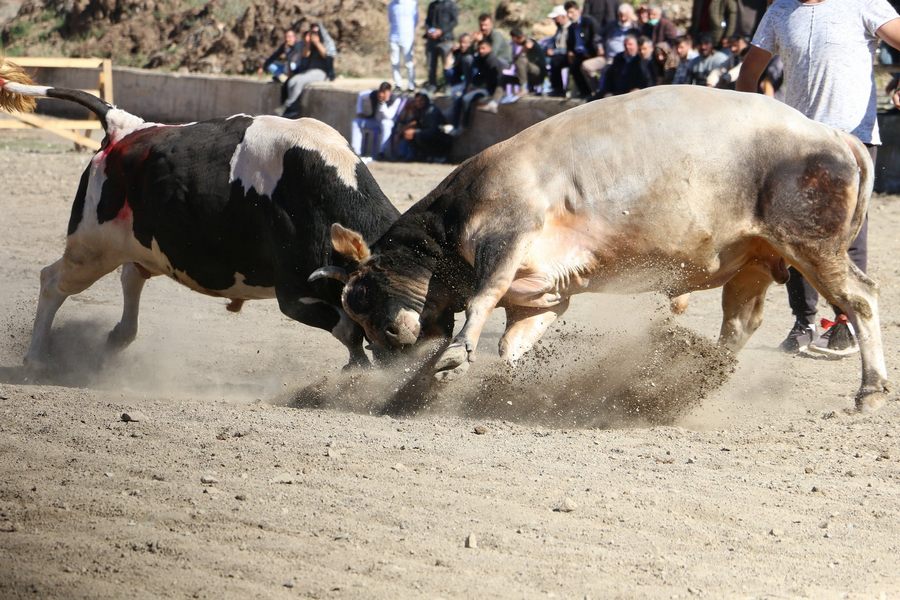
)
(439, 23)
(628, 71)
(528, 59)
(660, 29)
(683, 51)
(424, 134)
(459, 62)
(486, 31)
(827, 49)
(556, 50)
(285, 59)
(707, 17)
(737, 49)
(707, 61)
(316, 64)
(665, 64)
(747, 15)
(602, 11)
(614, 35)
(403, 16)
(582, 51)
(378, 116)
(643, 17)
(483, 88)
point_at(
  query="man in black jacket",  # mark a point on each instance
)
(581, 46)
(485, 84)
(442, 18)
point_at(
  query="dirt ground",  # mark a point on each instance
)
(765, 488)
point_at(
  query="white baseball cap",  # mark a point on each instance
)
(558, 11)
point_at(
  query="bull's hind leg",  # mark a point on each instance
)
(133, 280)
(743, 297)
(72, 274)
(848, 288)
(525, 326)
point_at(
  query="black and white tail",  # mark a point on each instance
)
(18, 93)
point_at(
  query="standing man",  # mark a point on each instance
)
(439, 23)
(403, 16)
(827, 49)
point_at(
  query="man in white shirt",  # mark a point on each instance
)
(376, 114)
(827, 48)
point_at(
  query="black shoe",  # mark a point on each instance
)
(799, 337)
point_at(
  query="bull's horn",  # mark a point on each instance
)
(330, 272)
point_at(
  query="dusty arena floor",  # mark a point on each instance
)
(764, 488)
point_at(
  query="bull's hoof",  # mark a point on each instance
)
(452, 364)
(357, 363)
(869, 401)
(119, 338)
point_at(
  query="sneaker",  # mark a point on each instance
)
(799, 338)
(838, 340)
(490, 107)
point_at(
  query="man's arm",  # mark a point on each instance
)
(752, 69)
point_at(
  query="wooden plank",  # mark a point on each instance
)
(54, 62)
(41, 123)
(52, 123)
(106, 81)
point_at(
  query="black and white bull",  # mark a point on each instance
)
(238, 208)
(671, 189)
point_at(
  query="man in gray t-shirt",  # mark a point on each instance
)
(827, 48)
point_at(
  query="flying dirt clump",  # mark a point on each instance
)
(573, 378)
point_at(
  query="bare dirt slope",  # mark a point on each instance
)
(764, 489)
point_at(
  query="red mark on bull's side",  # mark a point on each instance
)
(124, 213)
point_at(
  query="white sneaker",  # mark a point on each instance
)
(838, 340)
(490, 107)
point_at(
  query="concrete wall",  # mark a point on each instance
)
(178, 98)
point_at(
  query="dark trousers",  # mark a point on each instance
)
(802, 297)
(584, 88)
(436, 51)
(558, 62)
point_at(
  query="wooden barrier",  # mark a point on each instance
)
(66, 128)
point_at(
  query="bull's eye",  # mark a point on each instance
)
(358, 299)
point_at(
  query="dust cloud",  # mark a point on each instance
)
(644, 370)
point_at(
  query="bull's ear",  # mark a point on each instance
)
(349, 243)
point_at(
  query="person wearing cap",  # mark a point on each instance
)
(556, 50)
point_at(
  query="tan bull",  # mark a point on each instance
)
(670, 189)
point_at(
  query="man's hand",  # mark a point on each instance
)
(529, 43)
(895, 98)
(409, 134)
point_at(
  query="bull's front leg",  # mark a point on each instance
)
(496, 263)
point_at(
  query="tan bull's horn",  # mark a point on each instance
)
(331, 272)
(10, 101)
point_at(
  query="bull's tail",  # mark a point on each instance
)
(866, 181)
(18, 93)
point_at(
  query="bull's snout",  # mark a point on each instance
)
(404, 331)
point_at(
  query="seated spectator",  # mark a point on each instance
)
(726, 77)
(316, 64)
(614, 34)
(665, 63)
(484, 88)
(645, 50)
(683, 49)
(459, 61)
(556, 50)
(424, 134)
(528, 59)
(584, 55)
(658, 28)
(628, 71)
(707, 61)
(285, 60)
(377, 116)
(501, 50)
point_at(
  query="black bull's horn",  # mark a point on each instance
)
(330, 272)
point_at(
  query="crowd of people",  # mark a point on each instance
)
(600, 49)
